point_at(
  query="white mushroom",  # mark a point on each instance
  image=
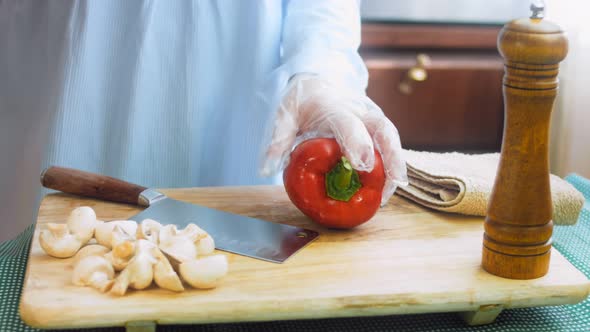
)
(120, 235)
(98, 223)
(164, 275)
(94, 271)
(104, 231)
(123, 245)
(205, 272)
(139, 274)
(194, 232)
(181, 245)
(57, 241)
(149, 229)
(82, 222)
(205, 246)
(90, 250)
(144, 253)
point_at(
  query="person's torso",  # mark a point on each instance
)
(165, 93)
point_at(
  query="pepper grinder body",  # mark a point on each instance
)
(518, 225)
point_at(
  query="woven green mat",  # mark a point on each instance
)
(572, 241)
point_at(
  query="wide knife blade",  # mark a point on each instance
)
(232, 232)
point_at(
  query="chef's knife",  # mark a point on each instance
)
(234, 233)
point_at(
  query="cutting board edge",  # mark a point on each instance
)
(572, 294)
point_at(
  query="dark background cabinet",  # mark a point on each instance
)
(456, 102)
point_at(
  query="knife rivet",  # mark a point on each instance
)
(301, 234)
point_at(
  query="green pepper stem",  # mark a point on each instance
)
(342, 182)
(343, 175)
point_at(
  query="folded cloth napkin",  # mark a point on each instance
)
(462, 183)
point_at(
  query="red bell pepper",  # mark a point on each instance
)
(322, 184)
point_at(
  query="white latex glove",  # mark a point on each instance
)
(313, 107)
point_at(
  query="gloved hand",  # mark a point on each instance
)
(312, 107)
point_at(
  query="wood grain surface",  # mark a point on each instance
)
(405, 260)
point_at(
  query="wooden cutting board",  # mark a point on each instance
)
(405, 260)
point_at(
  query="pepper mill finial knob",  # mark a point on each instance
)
(518, 225)
(538, 9)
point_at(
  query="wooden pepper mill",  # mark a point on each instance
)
(518, 225)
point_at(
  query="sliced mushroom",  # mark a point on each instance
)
(121, 235)
(98, 224)
(205, 246)
(57, 241)
(82, 222)
(193, 232)
(205, 272)
(149, 229)
(164, 275)
(181, 245)
(104, 231)
(139, 274)
(90, 250)
(94, 271)
(123, 245)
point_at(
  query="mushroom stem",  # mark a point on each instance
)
(123, 246)
(121, 284)
(139, 273)
(93, 271)
(164, 275)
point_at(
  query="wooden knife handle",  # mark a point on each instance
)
(73, 181)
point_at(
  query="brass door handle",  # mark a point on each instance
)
(417, 73)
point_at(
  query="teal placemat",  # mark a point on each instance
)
(572, 241)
